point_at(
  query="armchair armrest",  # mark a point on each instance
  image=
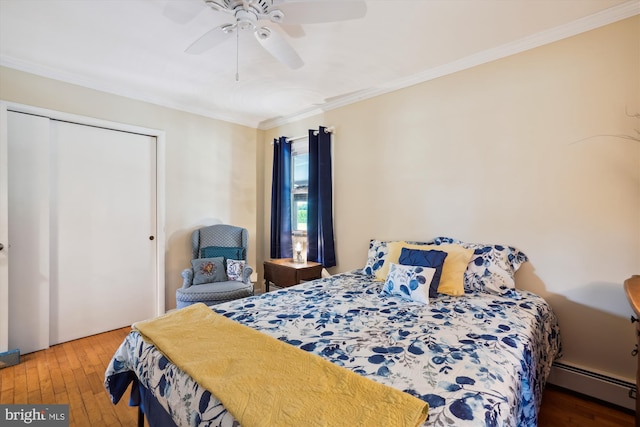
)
(247, 271)
(187, 276)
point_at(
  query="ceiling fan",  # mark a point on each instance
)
(249, 15)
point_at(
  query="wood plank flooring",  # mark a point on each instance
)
(70, 373)
(73, 373)
(561, 408)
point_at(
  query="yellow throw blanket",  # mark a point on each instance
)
(265, 382)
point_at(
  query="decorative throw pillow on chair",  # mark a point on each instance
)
(208, 270)
(234, 269)
(223, 251)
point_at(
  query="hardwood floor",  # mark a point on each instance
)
(70, 373)
(561, 408)
(73, 373)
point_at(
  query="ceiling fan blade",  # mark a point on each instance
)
(319, 12)
(181, 12)
(278, 47)
(295, 31)
(210, 39)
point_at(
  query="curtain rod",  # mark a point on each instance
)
(315, 132)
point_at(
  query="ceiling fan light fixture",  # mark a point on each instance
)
(263, 33)
(289, 15)
(246, 19)
(276, 16)
(227, 29)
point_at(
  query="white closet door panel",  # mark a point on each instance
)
(28, 214)
(103, 214)
(4, 232)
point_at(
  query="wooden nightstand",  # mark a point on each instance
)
(284, 272)
(632, 288)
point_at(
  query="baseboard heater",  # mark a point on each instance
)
(603, 387)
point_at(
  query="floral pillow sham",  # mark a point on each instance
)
(492, 268)
(375, 257)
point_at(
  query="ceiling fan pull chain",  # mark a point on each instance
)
(237, 54)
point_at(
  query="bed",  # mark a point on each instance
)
(478, 355)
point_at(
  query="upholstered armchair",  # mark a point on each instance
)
(219, 271)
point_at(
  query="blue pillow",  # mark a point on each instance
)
(228, 252)
(432, 259)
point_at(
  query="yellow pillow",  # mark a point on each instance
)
(455, 264)
(393, 256)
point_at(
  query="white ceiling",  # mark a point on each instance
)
(129, 47)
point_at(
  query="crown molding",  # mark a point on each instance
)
(102, 86)
(588, 23)
(608, 16)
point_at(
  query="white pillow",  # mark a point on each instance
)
(409, 282)
(234, 269)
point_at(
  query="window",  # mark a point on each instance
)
(299, 186)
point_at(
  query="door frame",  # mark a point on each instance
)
(6, 106)
(4, 232)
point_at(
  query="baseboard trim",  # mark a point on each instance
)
(616, 391)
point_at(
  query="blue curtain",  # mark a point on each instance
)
(320, 242)
(281, 200)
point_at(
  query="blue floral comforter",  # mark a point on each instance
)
(480, 359)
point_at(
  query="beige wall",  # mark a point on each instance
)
(507, 152)
(487, 155)
(210, 168)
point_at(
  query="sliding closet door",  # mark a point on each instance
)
(102, 230)
(81, 223)
(28, 215)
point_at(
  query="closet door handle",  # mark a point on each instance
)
(1, 246)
